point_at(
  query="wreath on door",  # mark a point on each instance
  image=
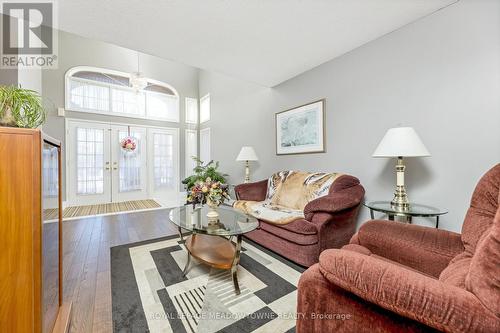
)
(128, 143)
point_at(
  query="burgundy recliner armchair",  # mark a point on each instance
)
(396, 277)
(330, 221)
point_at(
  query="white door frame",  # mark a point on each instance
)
(68, 151)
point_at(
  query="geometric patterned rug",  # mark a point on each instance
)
(113, 207)
(150, 294)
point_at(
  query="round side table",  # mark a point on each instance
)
(415, 210)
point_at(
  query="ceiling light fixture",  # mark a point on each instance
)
(137, 79)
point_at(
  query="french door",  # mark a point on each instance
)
(89, 163)
(99, 171)
(164, 161)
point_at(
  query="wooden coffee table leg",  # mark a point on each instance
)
(234, 267)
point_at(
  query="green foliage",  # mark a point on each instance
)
(202, 172)
(208, 191)
(21, 107)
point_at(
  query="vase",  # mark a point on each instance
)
(6, 118)
(213, 215)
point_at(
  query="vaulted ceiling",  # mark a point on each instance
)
(261, 41)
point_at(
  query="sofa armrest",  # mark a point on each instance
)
(425, 249)
(252, 191)
(407, 293)
(331, 203)
(335, 202)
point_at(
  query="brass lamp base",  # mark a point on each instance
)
(247, 172)
(400, 200)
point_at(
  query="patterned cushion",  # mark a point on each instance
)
(295, 189)
(266, 211)
(288, 192)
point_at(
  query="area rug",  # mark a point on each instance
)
(114, 207)
(150, 294)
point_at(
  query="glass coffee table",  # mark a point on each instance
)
(211, 242)
(414, 210)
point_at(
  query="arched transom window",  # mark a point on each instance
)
(105, 91)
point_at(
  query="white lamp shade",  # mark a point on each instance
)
(401, 141)
(247, 154)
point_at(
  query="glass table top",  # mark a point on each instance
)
(413, 210)
(231, 222)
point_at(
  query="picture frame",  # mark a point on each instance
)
(301, 130)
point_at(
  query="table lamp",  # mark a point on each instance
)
(247, 154)
(401, 142)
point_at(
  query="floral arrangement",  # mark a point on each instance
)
(128, 144)
(209, 191)
(202, 171)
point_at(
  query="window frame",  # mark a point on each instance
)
(172, 120)
(68, 77)
(208, 145)
(188, 171)
(78, 109)
(207, 96)
(187, 100)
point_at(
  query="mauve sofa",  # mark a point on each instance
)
(396, 277)
(330, 221)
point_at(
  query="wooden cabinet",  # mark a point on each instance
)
(30, 233)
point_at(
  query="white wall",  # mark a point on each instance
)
(440, 75)
(30, 78)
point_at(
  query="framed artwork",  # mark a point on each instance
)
(301, 130)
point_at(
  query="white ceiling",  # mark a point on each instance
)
(262, 41)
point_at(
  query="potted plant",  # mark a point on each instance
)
(207, 186)
(21, 107)
(203, 171)
(213, 193)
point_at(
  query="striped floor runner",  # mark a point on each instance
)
(114, 207)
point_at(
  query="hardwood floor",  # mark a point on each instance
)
(86, 269)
